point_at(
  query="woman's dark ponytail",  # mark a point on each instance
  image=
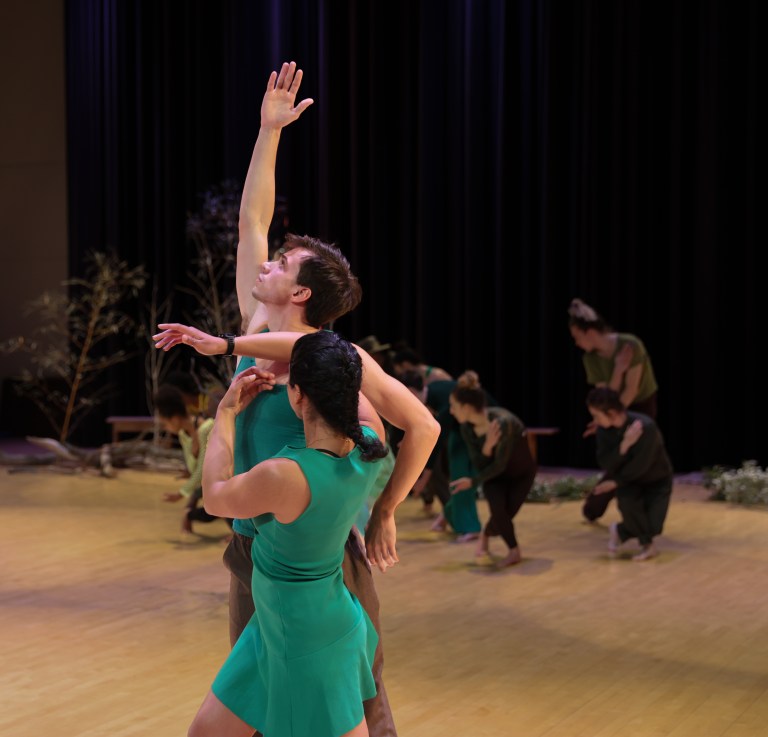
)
(330, 372)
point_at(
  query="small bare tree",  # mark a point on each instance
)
(69, 349)
(156, 363)
(213, 230)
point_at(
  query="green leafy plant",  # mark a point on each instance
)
(746, 485)
(562, 489)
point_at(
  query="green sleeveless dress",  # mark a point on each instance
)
(302, 666)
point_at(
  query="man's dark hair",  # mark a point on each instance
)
(335, 289)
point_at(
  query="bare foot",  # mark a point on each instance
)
(646, 553)
(186, 524)
(440, 524)
(513, 558)
(482, 545)
(467, 537)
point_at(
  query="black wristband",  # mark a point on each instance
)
(230, 338)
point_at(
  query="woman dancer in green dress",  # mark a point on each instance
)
(303, 664)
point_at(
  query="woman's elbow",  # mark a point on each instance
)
(211, 507)
(212, 502)
(431, 430)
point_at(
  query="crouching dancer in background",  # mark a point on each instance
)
(630, 449)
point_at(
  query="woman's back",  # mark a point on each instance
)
(309, 644)
(313, 543)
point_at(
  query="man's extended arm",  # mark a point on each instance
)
(389, 397)
(258, 202)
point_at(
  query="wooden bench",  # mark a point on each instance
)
(533, 433)
(142, 424)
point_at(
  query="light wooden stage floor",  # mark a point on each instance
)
(111, 627)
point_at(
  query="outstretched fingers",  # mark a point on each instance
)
(302, 106)
(174, 333)
(285, 77)
(293, 86)
(278, 107)
(167, 339)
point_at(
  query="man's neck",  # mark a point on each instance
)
(279, 319)
(282, 320)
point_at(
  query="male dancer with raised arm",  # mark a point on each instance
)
(308, 284)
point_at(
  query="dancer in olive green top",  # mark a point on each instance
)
(618, 361)
(303, 663)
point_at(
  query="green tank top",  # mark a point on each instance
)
(263, 428)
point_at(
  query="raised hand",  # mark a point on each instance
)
(174, 333)
(277, 108)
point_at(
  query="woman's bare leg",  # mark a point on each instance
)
(213, 719)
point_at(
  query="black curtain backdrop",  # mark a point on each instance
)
(480, 162)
